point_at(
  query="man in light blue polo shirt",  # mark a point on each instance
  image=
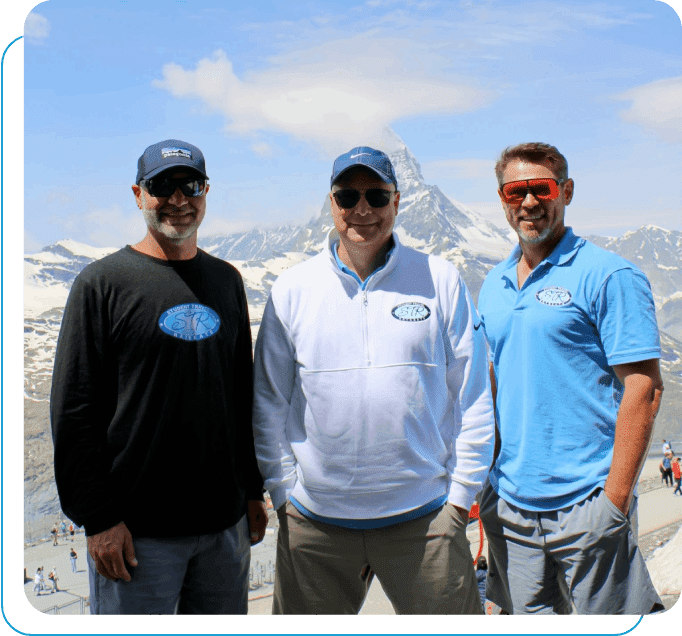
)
(574, 353)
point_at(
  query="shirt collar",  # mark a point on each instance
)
(561, 254)
(332, 247)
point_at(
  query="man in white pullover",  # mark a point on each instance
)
(373, 417)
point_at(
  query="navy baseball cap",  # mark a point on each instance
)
(171, 153)
(377, 161)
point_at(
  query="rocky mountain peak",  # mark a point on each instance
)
(406, 167)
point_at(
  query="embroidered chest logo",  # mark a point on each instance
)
(554, 296)
(190, 322)
(411, 312)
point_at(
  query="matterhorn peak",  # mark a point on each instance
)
(406, 166)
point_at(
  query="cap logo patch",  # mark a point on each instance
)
(361, 154)
(411, 312)
(190, 322)
(175, 152)
(554, 296)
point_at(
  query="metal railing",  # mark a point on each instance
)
(77, 606)
(38, 530)
(261, 574)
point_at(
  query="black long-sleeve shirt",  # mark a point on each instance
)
(151, 397)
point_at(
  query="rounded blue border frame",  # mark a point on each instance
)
(2, 335)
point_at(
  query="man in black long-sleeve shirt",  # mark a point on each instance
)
(151, 410)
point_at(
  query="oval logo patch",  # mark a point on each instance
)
(554, 296)
(411, 312)
(190, 322)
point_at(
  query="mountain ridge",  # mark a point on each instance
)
(427, 220)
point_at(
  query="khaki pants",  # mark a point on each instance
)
(424, 565)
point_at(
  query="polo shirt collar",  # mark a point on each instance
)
(561, 254)
(566, 249)
(331, 247)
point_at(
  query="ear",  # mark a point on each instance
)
(396, 201)
(568, 191)
(206, 189)
(137, 191)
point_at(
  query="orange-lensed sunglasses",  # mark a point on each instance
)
(515, 192)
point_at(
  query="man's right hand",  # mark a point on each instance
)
(108, 550)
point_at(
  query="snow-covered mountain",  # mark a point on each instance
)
(658, 253)
(48, 275)
(670, 316)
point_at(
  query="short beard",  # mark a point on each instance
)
(151, 218)
(547, 233)
(543, 236)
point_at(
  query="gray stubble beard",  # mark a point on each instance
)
(151, 218)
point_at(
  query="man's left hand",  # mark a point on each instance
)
(257, 516)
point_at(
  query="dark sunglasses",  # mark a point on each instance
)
(165, 186)
(376, 197)
(515, 192)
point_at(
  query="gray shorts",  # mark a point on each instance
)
(582, 559)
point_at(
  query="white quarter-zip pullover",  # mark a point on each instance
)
(371, 403)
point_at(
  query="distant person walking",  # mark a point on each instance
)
(666, 466)
(481, 577)
(71, 531)
(74, 556)
(62, 527)
(677, 474)
(38, 582)
(53, 579)
(55, 535)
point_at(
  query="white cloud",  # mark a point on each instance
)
(656, 107)
(329, 95)
(605, 222)
(262, 149)
(604, 17)
(102, 227)
(36, 28)
(59, 196)
(459, 169)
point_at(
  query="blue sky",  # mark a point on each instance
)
(273, 91)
